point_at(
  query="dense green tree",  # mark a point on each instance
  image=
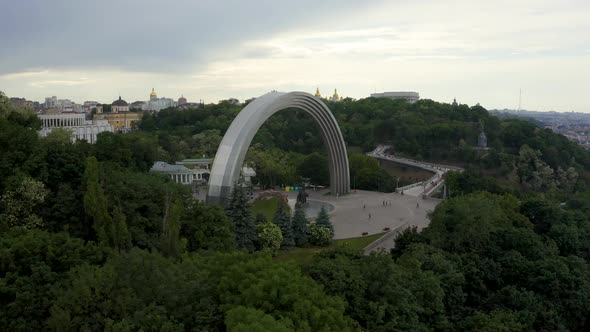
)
(269, 236)
(382, 295)
(260, 219)
(467, 223)
(408, 236)
(315, 167)
(136, 150)
(142, 199)
(462, 183)
(95, 203)
(205, 143)
(61, 165)
(122, 240)
(300, 226)
(206, 227)
(258, 282)
(33, 266)
(143, 290)
(323, 220)
(19, 205)
(273, 167)
(320, 236)
(365, 173)
(496, 321)
(19, 144)
(282, 219)
(138, 290)
(170, 238)
(244, 319)
(238, 211)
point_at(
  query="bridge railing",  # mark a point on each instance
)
(432, 184)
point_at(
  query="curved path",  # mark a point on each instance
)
(427, 187)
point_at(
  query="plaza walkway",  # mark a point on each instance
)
(364, 211)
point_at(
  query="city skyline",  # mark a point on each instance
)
(476, 51)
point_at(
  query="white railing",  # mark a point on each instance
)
(436, 180)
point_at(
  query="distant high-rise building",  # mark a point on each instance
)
(88, 106)
(410, 96)
(21, 102)
(51, 102)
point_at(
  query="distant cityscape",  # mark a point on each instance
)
(573, 125)
(89, 118)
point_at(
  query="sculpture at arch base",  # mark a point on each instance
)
(230, 155)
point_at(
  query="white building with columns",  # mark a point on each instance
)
(76, 123)
(178, 173)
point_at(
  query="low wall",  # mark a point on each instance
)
(410, 186)
(388, 236)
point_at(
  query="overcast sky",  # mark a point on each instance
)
(475, 50)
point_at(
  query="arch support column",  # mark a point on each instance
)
(236, 141)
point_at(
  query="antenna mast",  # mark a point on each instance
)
(519, 98)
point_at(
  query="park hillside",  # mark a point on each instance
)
(91, 240)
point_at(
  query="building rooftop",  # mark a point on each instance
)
(164, 167)
(120, 102)
(196, 161)
(396, 94)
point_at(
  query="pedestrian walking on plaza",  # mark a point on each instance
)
(364, 206)
(369, 216)
(417, 205)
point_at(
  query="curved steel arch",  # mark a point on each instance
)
(232, 150)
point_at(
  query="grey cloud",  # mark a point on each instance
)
(155, 36)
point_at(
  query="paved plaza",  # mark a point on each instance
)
(363, 211)
(350, 214)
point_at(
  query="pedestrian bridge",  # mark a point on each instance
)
(423, 188)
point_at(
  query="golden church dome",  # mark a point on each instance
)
(317, 92)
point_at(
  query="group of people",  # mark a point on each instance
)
(383, 203)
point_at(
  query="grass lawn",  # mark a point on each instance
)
(303, 256)
(266, 206)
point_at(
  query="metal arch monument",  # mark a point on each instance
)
(232, 150)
